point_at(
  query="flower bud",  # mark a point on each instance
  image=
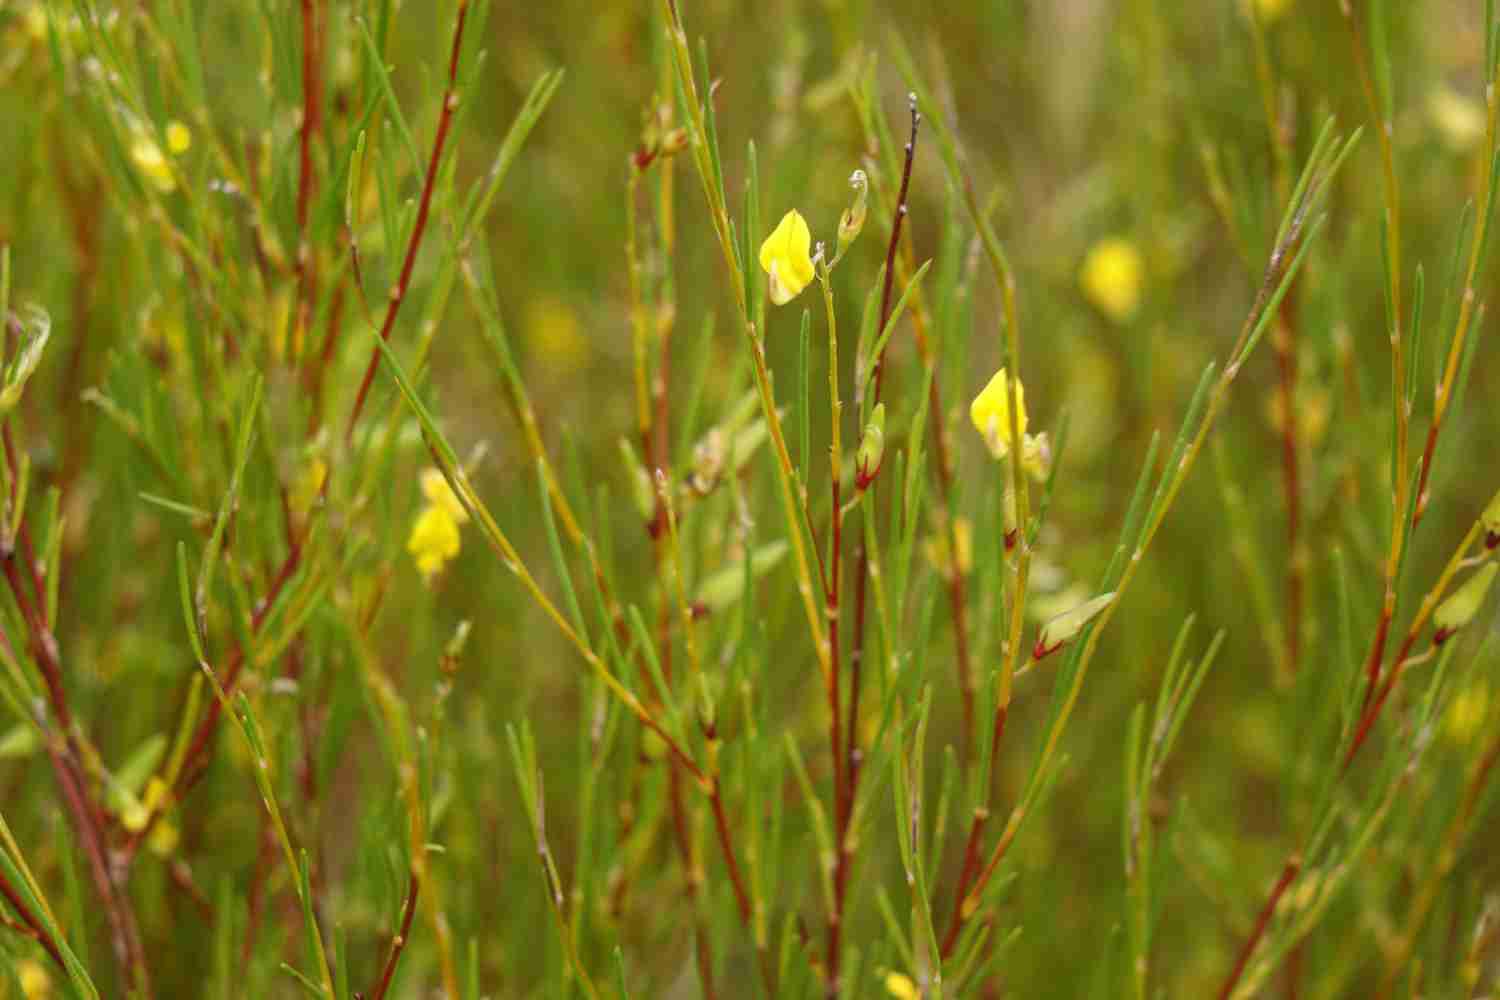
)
(674, 141)
(1067, 625)
(853, 219)
(708, 462)
(871, 449)
(1464, 603)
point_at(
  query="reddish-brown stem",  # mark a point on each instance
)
(398, 943)
(966, 873)
(419, 227)
(1375, 700)
(32, 927)
(861, 574)
(862, 563)
(1288, 873)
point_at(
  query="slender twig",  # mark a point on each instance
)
(30, 925)
(306, 181)
(398, 943)
(1288, 873)
(846, 771)
(1399, 469)
(419, 227)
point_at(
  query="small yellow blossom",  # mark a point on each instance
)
(900, 986)
(434, 539)
(34, 18)
(1458, 119)
(152, 163)
(1467, 713)
(552, 328)
(990, 413)
(1112, 277)
(309, 485)
(179, 138)
(786, 257)
(439, 494)
(36, 982)
(1270, 10)
(163, 838)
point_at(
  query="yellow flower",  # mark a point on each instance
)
(1467, 712)
(900, 986)
(152, 163)
(309, 485)
(179, 138)
(1270, 10)
(36, 983)
(786, 256)
(990, 413)
(434, 539)
(163, 838)
(439, 494)
(1459, 120)
(1112, 276)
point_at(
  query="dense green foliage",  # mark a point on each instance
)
(434, 566)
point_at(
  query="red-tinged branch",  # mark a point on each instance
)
(419, 227)
(29, 924)
(1288, 874)
(846, 771)
(398, 943)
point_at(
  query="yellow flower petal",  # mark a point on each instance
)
(1112, 277)
(990, 413)
(786, 256)
(179, 138)
(153, 165)
(36, 982)
(900, 986)
(434, 539)
(1270, 10)
(437, 491)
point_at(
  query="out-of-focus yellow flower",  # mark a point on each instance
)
(434, 535)
(786, 257)
(1270, 10)
(552, 330)
(439, 494)
(434, 540)
(179, 138)
(163, 838)
(152, 163)
(1458, 119)
(900, 986)
(1467, 713)
(1112, 277)
(36, 982)
(990, 413)
(951, 548)
(34, 21)
(309, 485)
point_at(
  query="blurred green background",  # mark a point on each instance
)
(1081, 121)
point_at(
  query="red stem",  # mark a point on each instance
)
(1293, 865)
(398, 943)
(429, 184)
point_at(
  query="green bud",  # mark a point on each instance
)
(871, 449)
(853, 219)
(1463, 604)
(1064, 627)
